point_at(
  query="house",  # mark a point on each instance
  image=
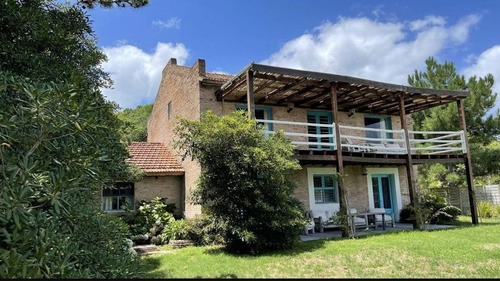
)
(359, 128)
(163, 177)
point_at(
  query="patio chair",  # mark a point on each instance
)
(359, 220)
(389, 218)
(355, 149)
(325, 219)
(310, 224)
(393, 148)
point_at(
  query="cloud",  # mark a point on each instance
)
(361, 47)
(170, 23)
(137, 74)
(487, 62)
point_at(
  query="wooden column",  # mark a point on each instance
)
(250, 95)
(346, 232)
(409, 161)
(468, 165)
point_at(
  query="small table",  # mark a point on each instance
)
(372, 215)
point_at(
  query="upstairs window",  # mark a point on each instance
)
(378, 122)
(169, 109)
(117, 197)
(324, 118)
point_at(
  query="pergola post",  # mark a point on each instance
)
(346, 232)
(468, 165)
(409, 160)
(250, 95)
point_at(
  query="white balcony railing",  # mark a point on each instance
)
(354, 139)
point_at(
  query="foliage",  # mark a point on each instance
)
(59, 145)
(486, 209)
(244, 181)
(176, 230)
(49, 161)
(481, 129)
(446, 214)
(110, 3)
(49, 42)
(203, 230)
(136, 122)
(150, 219)
(432, 209)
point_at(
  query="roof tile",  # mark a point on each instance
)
(153, 157)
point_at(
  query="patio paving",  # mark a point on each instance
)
(334, 233)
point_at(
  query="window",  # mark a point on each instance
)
(378, 122)
(118, 197)
(325, 189)
(261, 112)
(169, 109)
(320, 117)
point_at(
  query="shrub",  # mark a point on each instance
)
(244, 183)
(485, 209)
(149, 221)
(204, 230)
(446, 214)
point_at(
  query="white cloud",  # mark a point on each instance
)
(487, 62)
(170, 23)
(370, 49)
(137, 74)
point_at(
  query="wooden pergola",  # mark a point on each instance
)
(276, 86)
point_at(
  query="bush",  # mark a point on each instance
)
(446, 214)
(485, 209)
(150, 219)
(432, 209)
(244, 184)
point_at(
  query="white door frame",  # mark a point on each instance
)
(397, 189)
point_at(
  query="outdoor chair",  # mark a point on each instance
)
(348, 141)
(359, 220)
(325, 219)
(310, 223)
(389, 218)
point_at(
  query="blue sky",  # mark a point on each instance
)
(379, 40)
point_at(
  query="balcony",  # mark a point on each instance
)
(317, 143)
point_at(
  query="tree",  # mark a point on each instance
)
(59, 144)
(481, 129)
(244, 181)
(136, 122)
(110, 3)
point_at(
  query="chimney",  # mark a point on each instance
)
(199, 67)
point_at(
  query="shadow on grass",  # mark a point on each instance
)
(298, 248)
(148, 264)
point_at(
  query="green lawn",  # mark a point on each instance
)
(453, 253)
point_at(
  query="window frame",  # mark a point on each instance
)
(317, 115)
(324, 188)
(128, 197)
(388, 126)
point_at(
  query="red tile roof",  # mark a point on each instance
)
(154, 158)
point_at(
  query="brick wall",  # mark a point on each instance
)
(180, 87)
(150, 187)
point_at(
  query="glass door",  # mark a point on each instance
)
(382, 187)
(323, 118)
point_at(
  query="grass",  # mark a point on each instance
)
(463, 252)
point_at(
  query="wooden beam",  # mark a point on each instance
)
(296, 94)
(250, 95)
(409, 160)
(232, 88)
(346, 232)
(468, 164)
(280, 90)
(306, 100)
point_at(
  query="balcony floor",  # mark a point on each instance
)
(357, 158)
